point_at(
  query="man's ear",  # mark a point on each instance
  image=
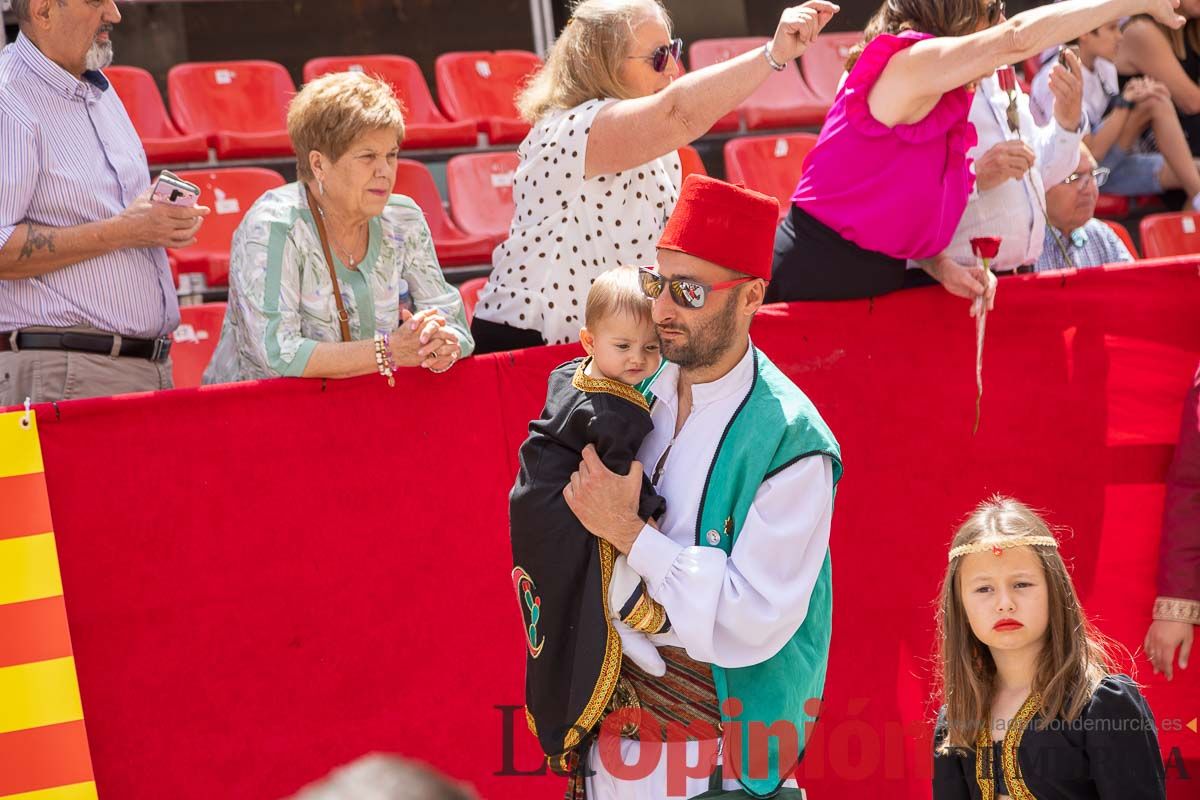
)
(39, 13)
(754, 296)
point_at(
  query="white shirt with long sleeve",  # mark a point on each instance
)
(734, 610)
(1014, 209)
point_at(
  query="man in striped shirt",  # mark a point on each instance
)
(86, 296)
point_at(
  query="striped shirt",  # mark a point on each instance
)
(70, 157)
(1092, 245)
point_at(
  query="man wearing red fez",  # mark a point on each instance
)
(740, 560)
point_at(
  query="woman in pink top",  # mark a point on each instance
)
(889, 177)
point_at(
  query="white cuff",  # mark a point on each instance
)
(652, 556)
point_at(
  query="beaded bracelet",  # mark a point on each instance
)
(383, 358)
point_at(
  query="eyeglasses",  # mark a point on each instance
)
(662, 54)
(1099, 175)
(686, 293)
(994, 11)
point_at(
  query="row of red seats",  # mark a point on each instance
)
(481, 208)
(480, 197)
(238, 108)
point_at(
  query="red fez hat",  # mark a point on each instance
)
(731, 226)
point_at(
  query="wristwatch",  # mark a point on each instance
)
(1119, 101)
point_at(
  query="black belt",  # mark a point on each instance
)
(100, 343)
(1024, 269)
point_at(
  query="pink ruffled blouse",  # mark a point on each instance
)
(899, 191)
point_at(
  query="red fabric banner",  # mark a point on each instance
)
(267, 580)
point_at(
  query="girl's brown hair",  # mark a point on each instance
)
(1075, 657)
(585, 62)
(936, 17)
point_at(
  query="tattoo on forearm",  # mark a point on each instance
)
(35, 240)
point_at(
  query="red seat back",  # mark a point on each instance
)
(784, 90)
(825, 60)
(470, 294)
(690, 161)
(482, 85)
(1122, 232)
(414, 180)
(229, 193)
(244, 96)
(1176, 234)
(480, 188)
(769, 164)
(194, 342)
(143, 103)
(402, 73)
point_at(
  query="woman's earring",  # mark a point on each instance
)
(320, 187)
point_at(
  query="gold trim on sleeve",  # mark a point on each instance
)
(1177, 609)
(647, 616)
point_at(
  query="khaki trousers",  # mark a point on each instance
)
(46, 376)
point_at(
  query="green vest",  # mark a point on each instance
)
(776, 426)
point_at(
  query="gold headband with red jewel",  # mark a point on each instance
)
(997, 544)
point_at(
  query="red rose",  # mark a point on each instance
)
(985, 246)
(1007, 76)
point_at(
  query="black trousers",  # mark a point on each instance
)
(813, 262)
(492, 337)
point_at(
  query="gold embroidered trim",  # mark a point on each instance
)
(1177, 609)
(1017, 790)
(592, 385)
(529, 721)
(999, 543)
(610, 669)
(647, 616)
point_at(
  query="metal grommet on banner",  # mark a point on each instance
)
(26, 421)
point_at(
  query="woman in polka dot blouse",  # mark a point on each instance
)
(599, 173)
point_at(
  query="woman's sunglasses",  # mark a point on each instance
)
(663, 54)
(686, 293)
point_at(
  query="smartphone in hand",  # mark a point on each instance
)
(169, 188)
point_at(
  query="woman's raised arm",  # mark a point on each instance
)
(629, 133)
(916, 78)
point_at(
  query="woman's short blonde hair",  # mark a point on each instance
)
(585, 62)
(330, 113)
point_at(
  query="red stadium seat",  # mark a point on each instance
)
(480, 188)
(782, 101)
(1112, 206)
(454, 248)
(229, 193)
(769, 164)
(482, 87)
(1122, 232)
(194, 342)
(161, 140)
(825, 60)
(470, 295)
(241, 106)
(1173, 234)
(424, 124)
(690, 162)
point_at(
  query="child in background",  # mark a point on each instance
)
(1032, 705)
(582, 605)
(1118, 118)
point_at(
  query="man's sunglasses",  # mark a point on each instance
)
(995, 10)
(662, 55)
(686, 293)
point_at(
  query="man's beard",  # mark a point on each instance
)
(99, 56)
(703, 347)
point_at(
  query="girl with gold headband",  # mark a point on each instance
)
(1033, 707)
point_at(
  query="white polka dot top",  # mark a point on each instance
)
(567, 230)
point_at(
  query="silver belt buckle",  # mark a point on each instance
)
(162, 345)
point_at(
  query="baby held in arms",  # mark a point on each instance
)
(581, 604)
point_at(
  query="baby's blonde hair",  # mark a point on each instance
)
(617, 291)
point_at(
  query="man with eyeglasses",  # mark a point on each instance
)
(740, 560)
(1015, 160)
(1074, 238)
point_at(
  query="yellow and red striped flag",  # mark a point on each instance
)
(43, 744)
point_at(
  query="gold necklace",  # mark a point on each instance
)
(347, 255)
